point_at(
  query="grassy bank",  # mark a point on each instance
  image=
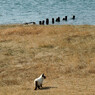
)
(65, 53)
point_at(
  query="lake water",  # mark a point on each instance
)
(21, 11)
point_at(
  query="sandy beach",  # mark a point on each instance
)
(64, 53)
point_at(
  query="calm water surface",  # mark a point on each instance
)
(21, 11)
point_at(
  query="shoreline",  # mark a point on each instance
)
(42, 25)
(13, 25)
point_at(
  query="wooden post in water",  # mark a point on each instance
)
(40, 23)
(43, 22)
(65, 18)
(58, 19)
(73, 17)
(47, 21)
(52, 20)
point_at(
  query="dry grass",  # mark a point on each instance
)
(65, 53)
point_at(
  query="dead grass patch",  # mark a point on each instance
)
(64, 53)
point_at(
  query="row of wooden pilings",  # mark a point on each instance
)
(54, 20)
(43, 22)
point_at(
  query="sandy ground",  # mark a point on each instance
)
(64, 53)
